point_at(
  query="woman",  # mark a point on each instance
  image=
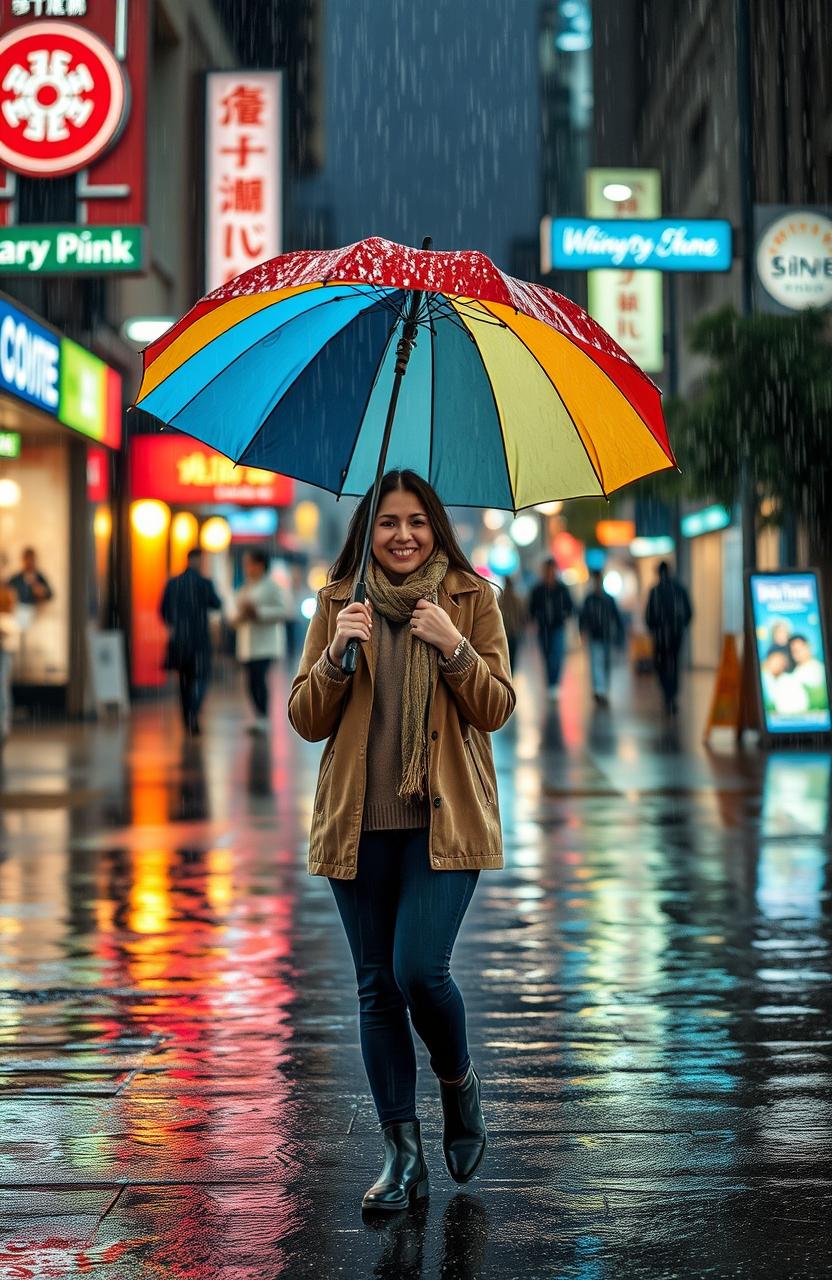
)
(405, 813)
(260, 608)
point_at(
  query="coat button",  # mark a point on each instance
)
(436, 802)
(434, 735)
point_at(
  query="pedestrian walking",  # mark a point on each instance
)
(405, 814)
(515, 613)
(184, 609)
(551, 605)
(260, 613)
(599, 622)
(667, 617)
(29, 584)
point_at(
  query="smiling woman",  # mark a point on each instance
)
(406, 814)
(402, 535)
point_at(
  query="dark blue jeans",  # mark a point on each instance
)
(257, 671)
(401, 919)
(553, 647)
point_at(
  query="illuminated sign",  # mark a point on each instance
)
(257, 522)
(59, 377)
(661, 545)
(794, 258)
(657, 244)
(243, 172)
(790, 650)
(178, 470)
(29, 359)
(67, 119)
(9, 444)
(90, 395)
(63, 98)
(628, 304)
(708, 520)
(44, 250)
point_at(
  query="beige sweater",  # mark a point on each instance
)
(383, 808)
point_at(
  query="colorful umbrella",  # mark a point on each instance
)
(513, 394)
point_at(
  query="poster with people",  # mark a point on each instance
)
(790, 650)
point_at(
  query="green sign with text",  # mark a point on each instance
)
(44, 249)
(9, 444)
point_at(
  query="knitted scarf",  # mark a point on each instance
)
(421, 659)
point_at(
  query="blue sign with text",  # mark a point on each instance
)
(29, 359)
(655, 244)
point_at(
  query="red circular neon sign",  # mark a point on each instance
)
(62, 98)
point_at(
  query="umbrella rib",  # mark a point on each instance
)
(383, 295)
(467, 305)
(554, 387)
(385, 348)
(454, 319)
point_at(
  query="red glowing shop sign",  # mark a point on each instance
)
(179, 470)
(62, 98)
(72, 100)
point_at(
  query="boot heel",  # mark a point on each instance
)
(420, 1190)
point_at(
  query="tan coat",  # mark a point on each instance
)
(464, 709)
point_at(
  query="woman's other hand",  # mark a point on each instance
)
(431, 623)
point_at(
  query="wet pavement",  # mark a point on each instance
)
(647, 985)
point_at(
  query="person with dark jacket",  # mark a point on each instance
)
(550, 605)
(29, 585)
(667, 617)
(600, 624)
(184, 609)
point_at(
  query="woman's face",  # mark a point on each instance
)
(402, 534)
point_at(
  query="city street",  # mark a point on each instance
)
(647, 985)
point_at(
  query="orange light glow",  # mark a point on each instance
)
(149, 523)
(215, 534)
(615, 533)
(184, 534)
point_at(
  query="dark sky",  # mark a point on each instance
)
(432, 122)
(431, 118)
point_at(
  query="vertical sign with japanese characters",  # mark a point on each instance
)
(628, 304)
(243, 172)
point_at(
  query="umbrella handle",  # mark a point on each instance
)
(350, 658)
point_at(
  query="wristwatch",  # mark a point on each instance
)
(458, 650)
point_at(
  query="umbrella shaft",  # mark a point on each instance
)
(403, 350)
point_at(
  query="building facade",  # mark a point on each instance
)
(100, 223)
(669, 94)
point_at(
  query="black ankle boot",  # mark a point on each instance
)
(404, 1176)
(464, 1136)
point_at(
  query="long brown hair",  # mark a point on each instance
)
(349, 561)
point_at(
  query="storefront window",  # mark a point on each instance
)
(34, 515)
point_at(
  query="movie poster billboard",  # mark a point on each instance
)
(791, 653)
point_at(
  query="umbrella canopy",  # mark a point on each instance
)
(513, 394)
